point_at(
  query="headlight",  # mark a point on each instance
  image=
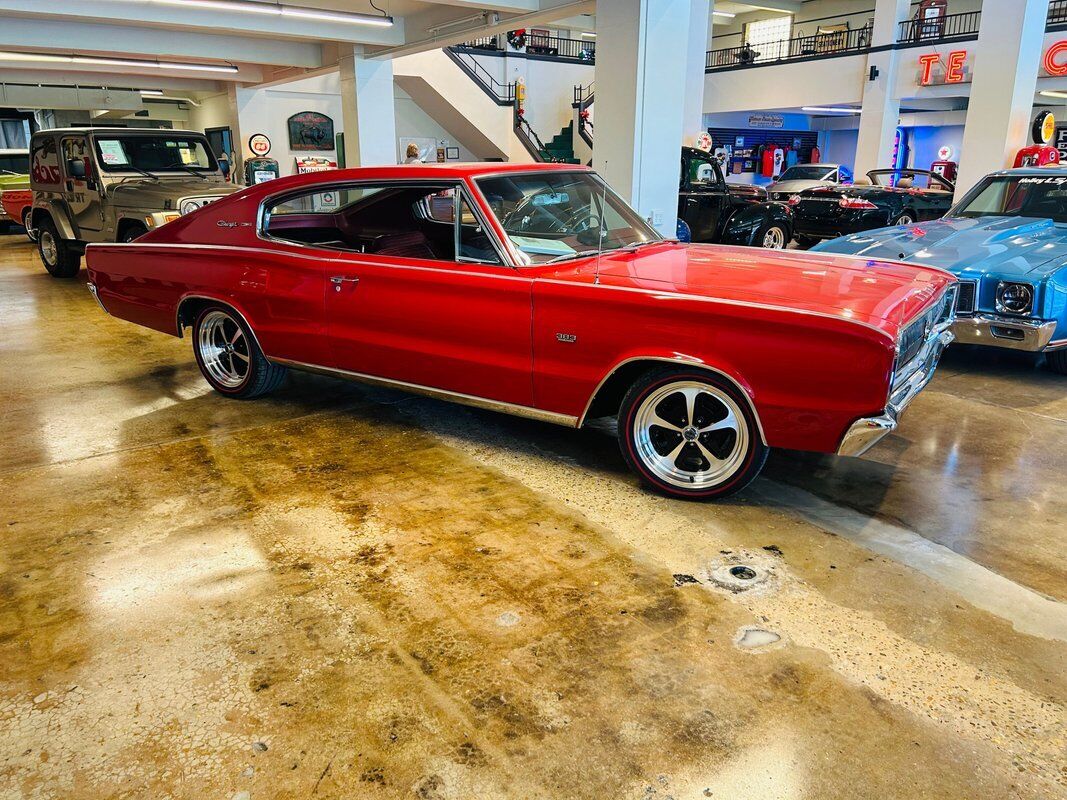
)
(189, 206)
(1015, 298)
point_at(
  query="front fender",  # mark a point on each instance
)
(745, 225)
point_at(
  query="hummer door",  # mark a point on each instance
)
(702, 196)
(81, 185)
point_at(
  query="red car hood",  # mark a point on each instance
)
(878, 293)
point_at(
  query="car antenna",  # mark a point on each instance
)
(600, 230)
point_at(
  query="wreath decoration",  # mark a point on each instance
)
(517, 38)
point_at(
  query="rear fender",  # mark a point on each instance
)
(746, 224)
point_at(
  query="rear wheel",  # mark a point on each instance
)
(229, 357)
(905, 218)
(1057, 361)
(690, 434)
(773, 236)
(31, 234)
(57, 255)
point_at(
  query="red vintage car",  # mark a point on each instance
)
(16, 204)
(535, 290)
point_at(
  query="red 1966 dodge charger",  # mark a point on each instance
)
(535, 290)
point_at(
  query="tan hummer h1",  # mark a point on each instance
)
(114, 184)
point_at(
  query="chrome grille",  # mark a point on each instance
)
(966, 298)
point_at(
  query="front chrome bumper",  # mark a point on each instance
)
(1010, 332)
(865, 433)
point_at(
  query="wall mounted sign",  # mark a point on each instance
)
(935, 70)
(310, 130)
(766, 121)
(1055, 60)
(1044, 127)
(310, 164)
(259, 144)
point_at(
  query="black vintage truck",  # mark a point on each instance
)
(723, 213)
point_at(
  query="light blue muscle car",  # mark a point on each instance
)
(1006, 241)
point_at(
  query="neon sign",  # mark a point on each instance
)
(1054, 65)
(953, 72)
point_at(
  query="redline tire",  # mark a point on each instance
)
(670, 458)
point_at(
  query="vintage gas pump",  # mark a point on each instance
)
(945, 166)
(1040, 152)
(930, 20)
(260, 170)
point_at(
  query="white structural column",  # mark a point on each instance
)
(999, 113)
(881, 101)
(696, 55)
(367, 110)
(640, 97)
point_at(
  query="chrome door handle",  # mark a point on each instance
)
(337, 280)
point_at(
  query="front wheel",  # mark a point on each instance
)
(773, 236)
(690, 434)
(806, 242)
(229, 358)
(1057, 361)
(57, 255)
(906, 218)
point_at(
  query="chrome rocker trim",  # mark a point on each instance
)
(981, 329)
(865, 433)
(437, 394)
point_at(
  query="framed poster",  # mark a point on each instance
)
(310, 130)
(452, 153)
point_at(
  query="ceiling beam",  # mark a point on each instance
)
(56, 35)
(508, 6)
(419, 28)
(177, 18)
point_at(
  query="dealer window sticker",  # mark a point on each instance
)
(112, 152)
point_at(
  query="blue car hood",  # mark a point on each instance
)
(1006, 246)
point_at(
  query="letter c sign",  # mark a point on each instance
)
(1054, 64)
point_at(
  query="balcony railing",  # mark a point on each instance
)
(557, 46)
(818, 45)
(949, 26)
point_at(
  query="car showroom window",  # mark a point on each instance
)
(401, 220)
(769, 37)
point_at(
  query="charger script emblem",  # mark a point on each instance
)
(569, 338)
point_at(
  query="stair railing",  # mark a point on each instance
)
(583, 98)
(503, 94)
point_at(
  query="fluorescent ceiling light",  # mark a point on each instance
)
(278, 10)
(115, 62)
(1054, 94)
(588, 35)
(151, 92)
(723, 14)
(830, 110)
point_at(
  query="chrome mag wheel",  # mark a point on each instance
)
(690, 434)
(223, 349)
(49, 251)
(774, 238)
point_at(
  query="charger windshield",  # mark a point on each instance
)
(555, 216)
(153, 153)
(1039, 196)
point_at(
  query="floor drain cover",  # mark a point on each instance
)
(738, 577)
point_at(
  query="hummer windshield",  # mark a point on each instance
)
(154, 154)
(1041, 196)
